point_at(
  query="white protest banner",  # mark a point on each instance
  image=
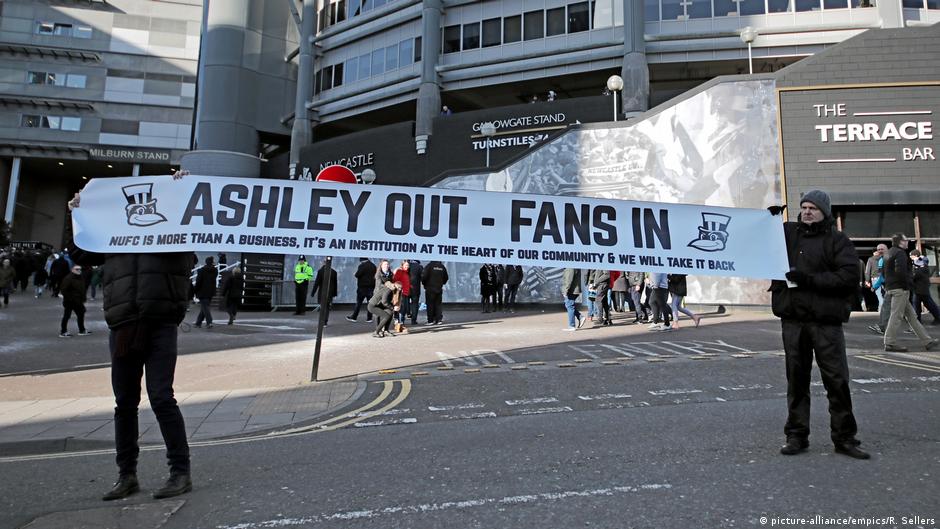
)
(215, 214)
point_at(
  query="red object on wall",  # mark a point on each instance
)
(337, 173)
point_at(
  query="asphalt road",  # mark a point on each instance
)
(689, 441)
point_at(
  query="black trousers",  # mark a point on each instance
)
(414, 300)
(300, 297)
(660, 305)
(603, 304)
(433, 301)
(362, 294)
(800, 341)
(511, 291)
(67, 314)
(154, 351)
(205, 311)
(498, 292)
(384, 317)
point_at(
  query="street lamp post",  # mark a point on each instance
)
(748, 35)
(615, 85)
(488, 130)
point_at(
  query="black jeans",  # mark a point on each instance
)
(414, 300)
(300, 297)
(433, 300)
(362, 294)
(660, 305)
(205, 311)
(155, 350)
(800, 341)
(67, 314)
(603, 304)
(511, 291)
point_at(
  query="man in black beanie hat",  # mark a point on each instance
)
(812, 304)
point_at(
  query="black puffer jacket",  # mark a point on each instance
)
(678, 285)
(897, 270)
(829, 259)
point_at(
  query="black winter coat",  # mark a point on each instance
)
(73, 289)
(318, 284)
(205, 282)
(830, 261)
(513, 275)
(232, 287)
(434, 277)
(678, 285)
(897, 270)
(142, 287)
(365, 275)
(921, 281)
(415, 271)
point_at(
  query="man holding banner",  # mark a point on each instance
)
(812, 304)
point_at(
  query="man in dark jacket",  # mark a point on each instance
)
(205, 290)
(145, 299)
(812, 304)
(434, 278)
(415, 294)
(514, 277)
(571, 291)
(73, 299)
(365, 286)
(898, 283)
(57, 272)
(922, 295)
(326, 301)
(601, 285)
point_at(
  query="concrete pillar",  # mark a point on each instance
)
(302, 129)
(135, 170)
(221, 163)
(891, 13)
(224, 86)
(11, 191)
(429, 93)
(635, 72)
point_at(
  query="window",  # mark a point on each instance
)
(650, 10)
(578, 17)
(492, 32)
(807, 5)
(702, 9)
(378, 61)
(672, 10)
(379, 3)
(778, 6)
(317, 81)
(31, 121)
(51, 122)
(365, 66)
(835, 4)
(913, 4)
(341, 11)
(512, 29)
(471, 36)
(327, 78)
(534, 25)
(451, 39)
(391, 57)
(417, 49)
(367, 5)
(36, 77)
(352, 68)
(45, 28)
(354, 8)
(337, 75)
(725, 8)
(63, 30)
(120, 126)
(752, 7)
(81, 32)
(75, 81)
(405, 52)
(555, 22)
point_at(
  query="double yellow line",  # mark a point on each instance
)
(372, 409)
(930, 368)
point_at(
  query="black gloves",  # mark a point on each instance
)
(800, 278)
(777, 210)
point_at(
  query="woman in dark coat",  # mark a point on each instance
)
(487, 287)
(678, 290)
(232, 293)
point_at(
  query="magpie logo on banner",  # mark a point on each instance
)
(713, 233)
(141, 207)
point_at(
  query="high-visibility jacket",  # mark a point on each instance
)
(303, 272)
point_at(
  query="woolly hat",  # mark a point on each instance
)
(820, 199)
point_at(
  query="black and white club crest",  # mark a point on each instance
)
(713, 233)
(141, 207)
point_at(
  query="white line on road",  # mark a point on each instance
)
(537, 400)
(468, 406)
(423, 508)
(506, 358)
(605, 396)
(480, 415)
(928, 379)
(742, 388)
(662, 392)
(409, 420)
(886, 380)
(539, 411)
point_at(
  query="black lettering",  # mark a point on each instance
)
(578, 224)
(258, 204)
(237, 214)
(517, 218)
(660, 230)
(283, 219)
(454, 217)
(433, 224)
(354, 209)
(391, 208)
(313, 218)
(637, 229)
(600, 214)
(200, 205)
(547, 224)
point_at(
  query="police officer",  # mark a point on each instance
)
(303, 273)
(813, 304)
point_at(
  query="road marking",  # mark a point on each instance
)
(885, 380)
(584, 349)
(408, 420)
(323, 426)
(742, 388)
(911, 365)
(468, 406)
(478, 415)
(537, 400)
(664, 392)
(605, 396)
(539, 411)
(928, 379)
(506, 358)
(424, 508)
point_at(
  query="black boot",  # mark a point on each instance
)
(794, 446)
(851, 449)
(125, 486)
(175, 485)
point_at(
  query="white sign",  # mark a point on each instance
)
(214, 214)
